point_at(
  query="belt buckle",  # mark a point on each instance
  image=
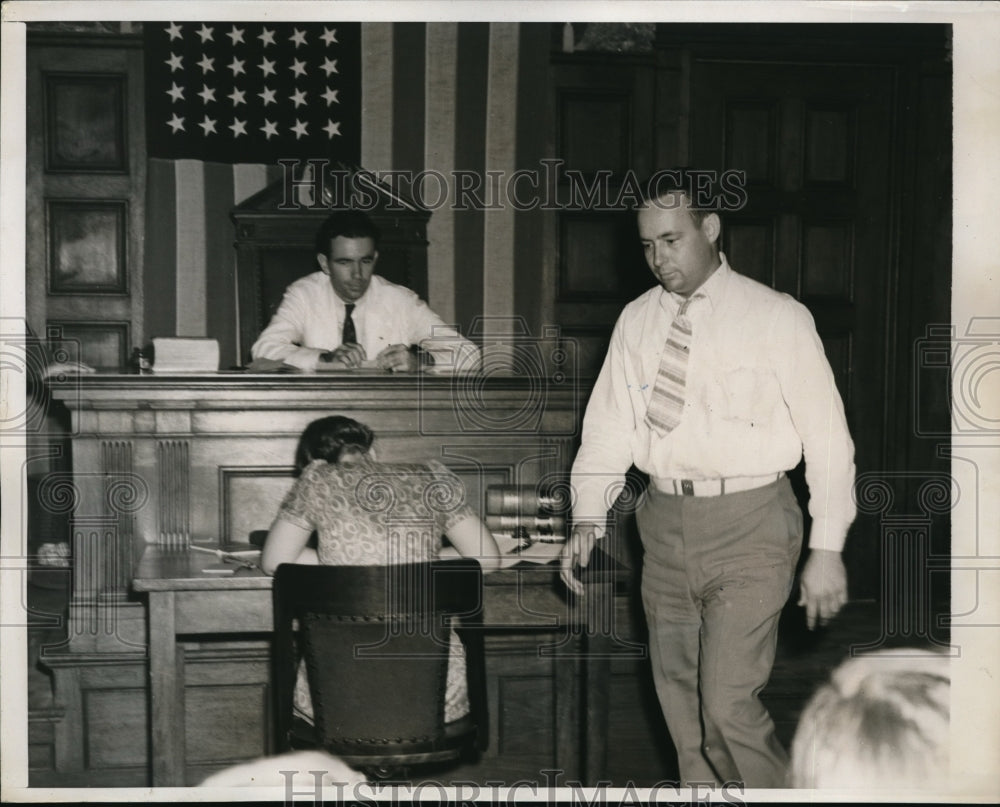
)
(687, 487)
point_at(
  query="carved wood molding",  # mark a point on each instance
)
(124, 490)
(93, 537)
(174, 472)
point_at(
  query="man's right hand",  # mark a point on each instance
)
(347, 355)
(576, 552)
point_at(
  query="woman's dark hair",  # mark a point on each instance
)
(327, 438)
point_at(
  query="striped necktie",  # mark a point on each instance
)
(666, 404)
(350, 335)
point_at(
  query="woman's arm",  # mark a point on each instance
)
(286, 543)
(473, 539)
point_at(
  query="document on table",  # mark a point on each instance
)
(539, 549)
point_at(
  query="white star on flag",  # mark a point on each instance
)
(208, 125)
(244, 91)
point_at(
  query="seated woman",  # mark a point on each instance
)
(370, 513)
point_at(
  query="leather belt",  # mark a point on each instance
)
(713, 487)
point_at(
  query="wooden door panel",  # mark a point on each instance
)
(85, 197)
(814, 141)
(604, 113)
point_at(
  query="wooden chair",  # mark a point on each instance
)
(375, 640)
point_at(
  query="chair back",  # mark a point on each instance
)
(376, 644)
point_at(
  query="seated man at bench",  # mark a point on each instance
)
(346, 316)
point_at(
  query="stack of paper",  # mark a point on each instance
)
(185, 355)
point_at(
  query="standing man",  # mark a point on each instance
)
(715, 385)
(344, 315)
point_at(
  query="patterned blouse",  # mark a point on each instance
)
(372, 513)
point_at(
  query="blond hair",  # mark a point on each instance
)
(881, 721)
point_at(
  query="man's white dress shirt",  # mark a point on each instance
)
(759, 393)
(310, 321)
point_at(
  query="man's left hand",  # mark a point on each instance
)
(823, 586)
(398, 359)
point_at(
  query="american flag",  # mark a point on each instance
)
(253, 92)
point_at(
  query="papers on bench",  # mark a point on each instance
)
(542, 549)
(185, 355)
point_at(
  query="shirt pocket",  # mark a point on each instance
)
(747, 394)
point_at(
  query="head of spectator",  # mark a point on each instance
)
(882, 721)
(334, 439)
(297, 772)
(347, 251)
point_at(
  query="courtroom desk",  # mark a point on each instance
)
(546, 663)
(168, 460)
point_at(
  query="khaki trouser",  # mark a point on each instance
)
(716, 574)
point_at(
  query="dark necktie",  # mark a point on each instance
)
(350, 335)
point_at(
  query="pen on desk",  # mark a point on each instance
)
(239, 558)
(237, 553)
(217, 552)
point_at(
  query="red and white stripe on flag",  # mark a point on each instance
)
(190, 286)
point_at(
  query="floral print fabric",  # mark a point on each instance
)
(377, 514)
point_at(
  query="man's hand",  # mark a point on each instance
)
(576, 552)
(398, 359)
(823, 586)
(347, 355)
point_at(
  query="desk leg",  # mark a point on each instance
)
(569, 720)
(600, 624)
(598, 697)
(166, 688)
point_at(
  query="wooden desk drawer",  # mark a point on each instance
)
(239, 611)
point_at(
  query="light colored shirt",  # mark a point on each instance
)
(759, 393)
(310, 321)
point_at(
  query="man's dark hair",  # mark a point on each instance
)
(699, 186)
(346, 223)
(327, 438)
